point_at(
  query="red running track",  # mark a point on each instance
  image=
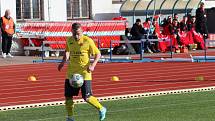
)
(134, 78)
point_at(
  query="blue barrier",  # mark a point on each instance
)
(127, 59)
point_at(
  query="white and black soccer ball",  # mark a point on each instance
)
(76, 80)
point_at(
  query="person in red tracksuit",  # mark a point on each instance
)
(165, 34)
(184, 34)
(174, 34)
(197, 38)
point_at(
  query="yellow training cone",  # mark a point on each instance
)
(115, 78)
(199, 78)
(32, 78)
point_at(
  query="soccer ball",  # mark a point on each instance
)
(76, 80)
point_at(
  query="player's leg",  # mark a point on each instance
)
(86, 90)
(9, 44)
(69, 104)
(4, 46)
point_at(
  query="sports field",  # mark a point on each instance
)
(198, 106)
(135, 79)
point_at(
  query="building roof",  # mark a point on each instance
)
(148, 7)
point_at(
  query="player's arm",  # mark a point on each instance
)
(96, 59)
(65, 58)
(96, 53)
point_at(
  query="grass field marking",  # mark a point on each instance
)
(108, 98)
(16, 107)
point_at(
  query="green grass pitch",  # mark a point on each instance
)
(199, 106)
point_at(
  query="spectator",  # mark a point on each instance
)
(147, 25)
(149, 28)
(194, 37)
(137, 30)
(191, 23)
(166, 26)
(175, 16)
(186, 38)
(201, 20)
(7, 30)
(174, 28)
(155, 30)
(138, 33)
(183, 24)
(174, 32)
(190, 32)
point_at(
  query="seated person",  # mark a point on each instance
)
(138, 33)
(174, 30)
(137, 30)
(147, 25)
(154, 46)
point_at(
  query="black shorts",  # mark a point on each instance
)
(86, 89)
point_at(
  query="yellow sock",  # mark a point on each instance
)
(93, 101)
(69, 104)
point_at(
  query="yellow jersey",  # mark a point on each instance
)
(80, 52)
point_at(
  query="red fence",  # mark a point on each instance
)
(104, 31)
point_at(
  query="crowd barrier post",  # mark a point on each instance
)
(171, 48)
(43, 52)
(111, 50)
(141, 49)
(205, 48)
(98, 42)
